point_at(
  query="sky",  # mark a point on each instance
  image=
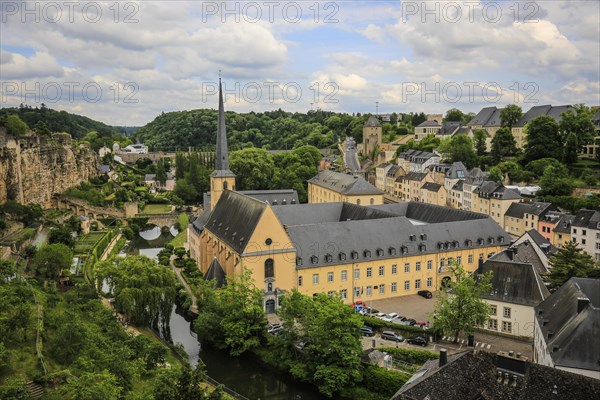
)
(125, 62)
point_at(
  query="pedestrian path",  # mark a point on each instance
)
(481, 345)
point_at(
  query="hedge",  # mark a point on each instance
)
(383, 381)
(378, 324)
(410, 356)
(96, 253)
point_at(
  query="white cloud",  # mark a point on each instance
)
(39, 65)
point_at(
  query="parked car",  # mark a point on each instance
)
(372, 312)
(380, 315)
(418, 340)
(367, 331)
(274, 329)
(409, 321)
(390, 317)
(365, 311)
(390, 335)
(425, 293)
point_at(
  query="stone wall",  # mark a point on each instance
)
(33, 169)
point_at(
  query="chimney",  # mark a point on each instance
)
(508, 363)
(582, 303)
(443, 357)
(510, 252)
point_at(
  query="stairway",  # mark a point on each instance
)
(35, 391)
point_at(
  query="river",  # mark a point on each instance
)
(244, 374)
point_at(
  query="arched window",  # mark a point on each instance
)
(270, 287)
(224, 185)
(372, 201)
(269, 269)
(358, 202)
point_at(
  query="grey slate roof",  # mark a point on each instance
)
(518, 210)
(574, 324)
(483, 116)
(215, 271)
(415, 176)
(523, 253)
(200, 221)
(221, 156)
(431, 186)
(417, 156)
(458, 186)
(104, 169)
(345, 184)
(564, 224)
(372, 122)
(456, 171)
(386, 229)
(473, 375)
(587, 219)
(538, 111)
(449, 127)
(278, 196)
(489, 189)
(393, 171)
(514, 282)
(234, 218)
(429, 124)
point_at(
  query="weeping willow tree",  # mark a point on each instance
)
(143, 290)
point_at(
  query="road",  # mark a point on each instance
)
(350, 158)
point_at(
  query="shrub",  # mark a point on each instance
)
(410, 356)
(383, 381)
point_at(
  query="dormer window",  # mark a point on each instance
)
(423, 236)
(491, 240)
(314, 259)
(468, 242)
(328, 257)
(480, 242)
(379, 252)
(413, 238)
(404, 249)
(392, 251)
(500, 239)
(422, 247)
(455, 244)
(298, 261)
(342, 256)
(367, 253)
(441, 246)
(354, 255)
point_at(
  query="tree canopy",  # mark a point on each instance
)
(459, 148)
(327, 332)
(509, 115)
(503, 144)
(461, 309)
(53, 260)
(143, 290)
(570, 261)
(543, 139)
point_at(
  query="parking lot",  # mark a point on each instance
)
(413, 306)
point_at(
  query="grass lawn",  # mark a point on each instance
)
(157, 209)
(180, 239)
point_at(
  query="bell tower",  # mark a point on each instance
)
(221, 178)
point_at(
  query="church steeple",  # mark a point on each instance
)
(221, 178)
(222, 157)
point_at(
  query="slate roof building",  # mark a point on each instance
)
(479, 375)
(331, 186)
(585, 230)
(555, 112)
(517, 288)
(521, 217)
(493, 199)
(567, 328)
(357, 251)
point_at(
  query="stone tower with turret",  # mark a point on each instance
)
(221, 178)
(372, 132)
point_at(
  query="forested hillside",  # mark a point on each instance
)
(273, 130)
(57, 121)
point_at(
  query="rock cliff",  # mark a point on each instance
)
(33, 169)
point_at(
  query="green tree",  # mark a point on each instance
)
(570, 150)
(538, 167)
(556, 181)
(496, 175)
(509, 116)
(459, 148)
(455, 115)
(462, 309)
(7, 269)
(514, 171)
(143, 290)
(94, 386)
(161, 172)
(231, 317)
(62, 234)
(578, 123)
(185, 191)
(569, 261)
(16, 126)
(543, 139)
(503, 144)
(182, 222)
(480, 136)
(253, 168)
(41, 128)
(329, 329)
(53, 260)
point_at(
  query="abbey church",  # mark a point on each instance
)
(361, 252)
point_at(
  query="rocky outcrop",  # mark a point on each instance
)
(33, 169)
